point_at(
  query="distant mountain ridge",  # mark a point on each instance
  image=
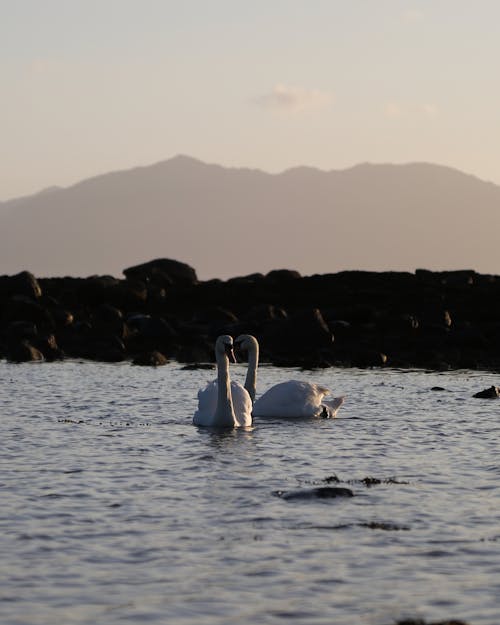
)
(234, 221)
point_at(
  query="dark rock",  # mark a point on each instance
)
(281, 275)
(422, 622)
(61, 317)
(147, 333)
(198, 365)
(150, 359)
(163, 271)
(323, 492)
(381, 525)
(245, 280)
(365, 358)
(107, 320)
(302, 334)
(24, 308)
(263, 313)
(24, 352)
(106, 351)
(151, 327)
(433, 320)
(129, 294)
(489, 393)
(48, 346)
(23, 283)
(98, 290)
(86, 345)
(16, 331)
(202, 353)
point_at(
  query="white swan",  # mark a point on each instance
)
(286, 399)
(223, 403)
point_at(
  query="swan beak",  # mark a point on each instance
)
(237, 351)
(230, 353)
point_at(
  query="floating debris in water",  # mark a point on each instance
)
(373, 481)
(382, 525)
(331, 479)
(103, 423)
(324, 492)
(419, 621)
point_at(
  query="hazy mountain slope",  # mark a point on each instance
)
(228, 222)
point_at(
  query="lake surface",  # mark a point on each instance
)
(114, 508)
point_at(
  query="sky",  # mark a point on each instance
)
(92, 86)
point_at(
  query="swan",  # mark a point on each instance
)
(223, 403)
(286, 399)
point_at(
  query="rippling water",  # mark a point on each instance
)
(114, 508)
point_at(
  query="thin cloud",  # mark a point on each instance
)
(41, 66)
(430, 110)
(394, 110)
(413, 16)
(289, 99)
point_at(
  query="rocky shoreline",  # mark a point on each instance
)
(161, 311)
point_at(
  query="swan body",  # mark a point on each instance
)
(223, 403)
(286, 399)
(297, 399)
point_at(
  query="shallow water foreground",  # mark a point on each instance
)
(116, 509)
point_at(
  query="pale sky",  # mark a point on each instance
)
(91, 86)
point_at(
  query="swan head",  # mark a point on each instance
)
(246, 343)
(224, 346)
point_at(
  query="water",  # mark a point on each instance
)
(114, 508)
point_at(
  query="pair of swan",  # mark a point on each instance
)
(225, 403)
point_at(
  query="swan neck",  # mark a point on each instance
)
(224, 413)
(253, 363)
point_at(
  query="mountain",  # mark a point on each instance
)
(227, 221)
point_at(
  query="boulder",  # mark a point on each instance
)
(23, 283)
(150, 359)
(48, 346)
(163, 272)
(488, 393)
(24, 308)
(282, 275)
(23, 352)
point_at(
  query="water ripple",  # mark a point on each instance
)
(116, 509)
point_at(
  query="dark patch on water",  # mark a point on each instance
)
(331, 479)
(373, 481)
(368, 481)
(373, 525)
(419, 621)
(324, 492)
(381, 525)
(114, 424)
(491, 539)
(35, 537)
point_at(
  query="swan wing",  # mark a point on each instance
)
(332, 405)
(242, 405)
(207, 404)
(291, 399)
